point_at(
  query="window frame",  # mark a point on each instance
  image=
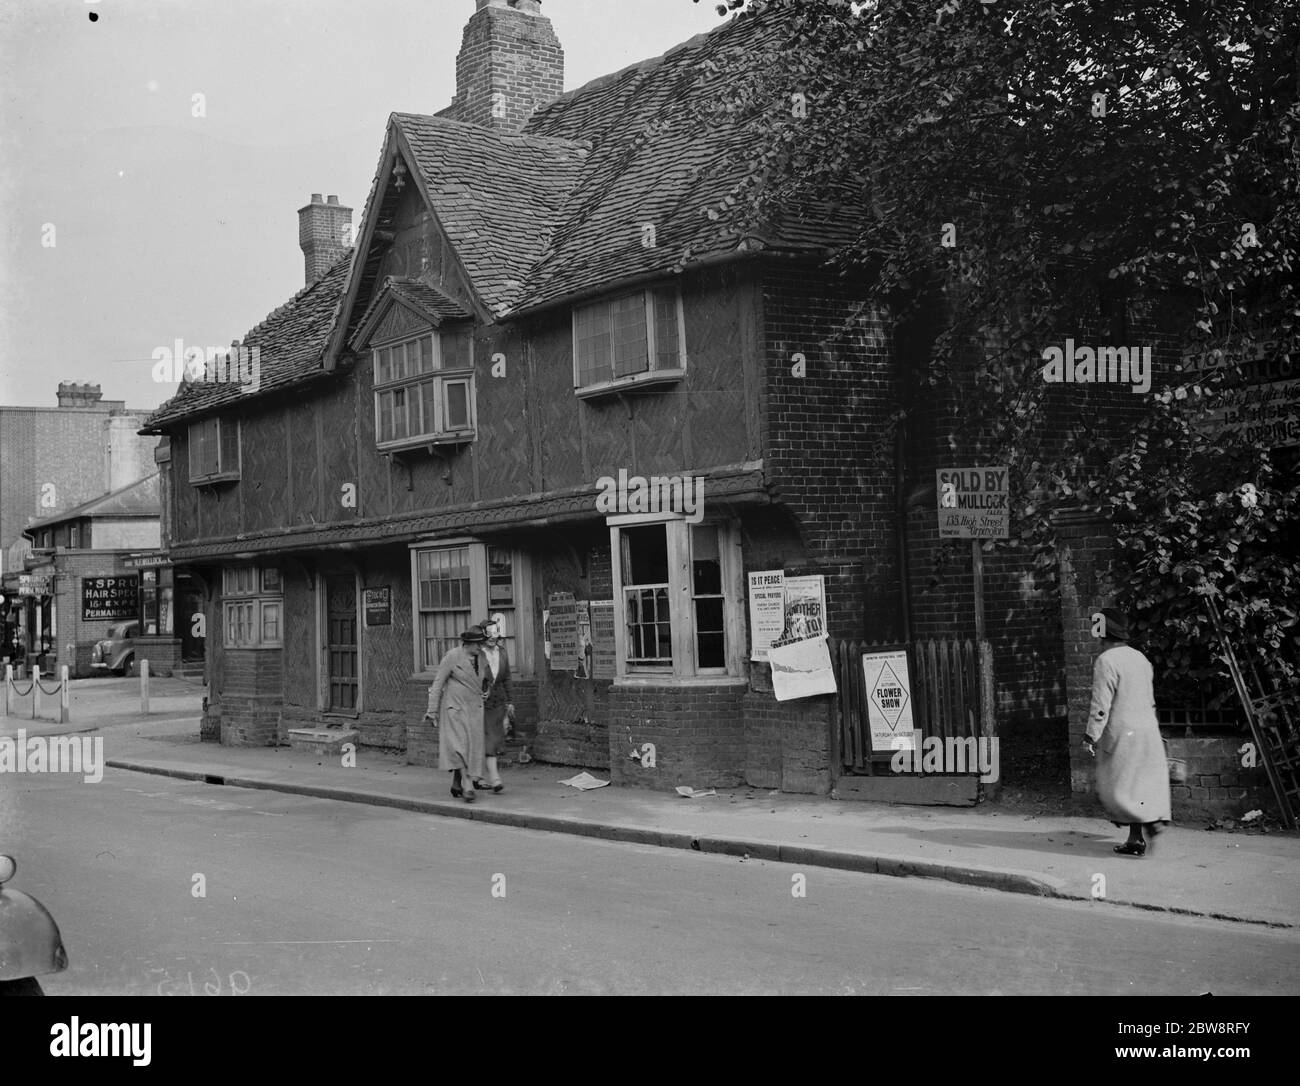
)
(653, 376)
(520, 645)
(439, 378)
(685, 668)
(228, 437)
(245, 592)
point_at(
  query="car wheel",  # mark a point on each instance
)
(128, 667)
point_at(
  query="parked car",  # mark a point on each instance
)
(116, 652)
(30, 943)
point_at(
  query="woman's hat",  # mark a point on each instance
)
(473, 634)
(1117, 628)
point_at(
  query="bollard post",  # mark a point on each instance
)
(36, 690)
(144, 687)
(63, 694)
(9, 686)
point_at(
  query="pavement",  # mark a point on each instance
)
(1192, 870)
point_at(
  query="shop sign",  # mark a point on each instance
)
(146, 561)
(110, 597)
(30, 584)
(974, 503)
(378, 603)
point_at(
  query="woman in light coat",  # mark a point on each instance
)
(456, 703)
(1124, 736)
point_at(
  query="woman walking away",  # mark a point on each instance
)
(456, 704)
(498, 707)
(1124, 736)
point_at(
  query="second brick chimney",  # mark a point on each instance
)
(510, 63)
(324, 233)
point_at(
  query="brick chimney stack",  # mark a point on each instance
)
(72, 394)
(324, 233)
(510, 63)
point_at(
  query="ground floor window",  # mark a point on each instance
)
(676, 597)
(458, 584)
(252, 607)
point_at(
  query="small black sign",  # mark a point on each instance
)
(110, 597)
(379, 606)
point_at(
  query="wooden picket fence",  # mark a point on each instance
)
(951, 692)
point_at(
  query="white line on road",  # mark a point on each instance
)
(307, 942)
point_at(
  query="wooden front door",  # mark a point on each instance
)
(341, 626)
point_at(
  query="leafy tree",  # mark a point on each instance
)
(1054, 167)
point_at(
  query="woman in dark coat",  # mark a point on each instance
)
(1124, 736)
(498, 707)
(456, 704)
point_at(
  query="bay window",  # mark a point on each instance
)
(424, 389)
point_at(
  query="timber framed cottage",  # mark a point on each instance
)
(540, 302)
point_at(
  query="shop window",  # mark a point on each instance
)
(675, 589)
(214, 450)
(252, 607)
(156, 602)
(455, 586)
(632, 340)
(424, 390)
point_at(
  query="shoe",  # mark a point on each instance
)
(1132, 848)
(469, 795)
(481, 785)
(457, 792)
(498, 788)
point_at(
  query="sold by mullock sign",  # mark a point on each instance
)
(974, 503)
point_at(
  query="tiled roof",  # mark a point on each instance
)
(138, 499)
(660, 158)
(290, 343)
(497, 194)
(426, 298)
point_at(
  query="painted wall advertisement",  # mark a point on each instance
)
(110, 597)
(974, 503)
(889, 700)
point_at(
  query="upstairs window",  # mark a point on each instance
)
(214, 450)
(424, 390)
(631, 340)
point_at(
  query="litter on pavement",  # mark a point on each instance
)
(691, 793)
(585, 781)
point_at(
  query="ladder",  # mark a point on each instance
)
(1274, 717)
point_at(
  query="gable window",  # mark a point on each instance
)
(252, 608)
(676, 598)
(424, 389)
(630, 340)
(214, 450)
(457, 585)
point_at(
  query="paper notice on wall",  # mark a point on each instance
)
(801, 669)
(584, 639)
(766, 611)
(562, 626)
(602, 639)
(889, 700)
(804, 615)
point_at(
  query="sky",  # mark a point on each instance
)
(130, 221)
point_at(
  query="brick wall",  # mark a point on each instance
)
(251, 698)
(698, 733)
(72, 567)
